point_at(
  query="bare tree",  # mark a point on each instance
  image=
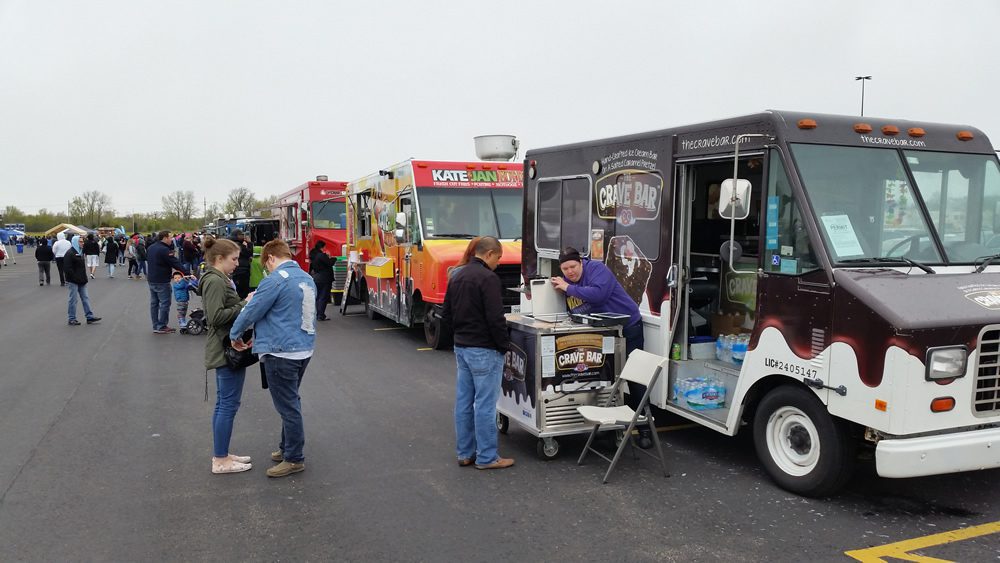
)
(213, 212)
(179, 205)
(91, 207)
(240, 200)
(264, 204)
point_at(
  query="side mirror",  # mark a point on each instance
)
(400, 220)
(734, 199)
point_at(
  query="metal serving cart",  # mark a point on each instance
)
(553, 367)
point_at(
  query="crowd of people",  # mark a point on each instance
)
(275, 324)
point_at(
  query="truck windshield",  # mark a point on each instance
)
(962, 195)
(329, 215)
(470, 212)
(864, 203)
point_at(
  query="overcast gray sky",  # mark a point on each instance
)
(138, 98)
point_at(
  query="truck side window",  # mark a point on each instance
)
(364, 217)
(563, 214)
(787, 248)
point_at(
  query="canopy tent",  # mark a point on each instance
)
(66, 227)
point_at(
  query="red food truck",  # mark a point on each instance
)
(315, 211)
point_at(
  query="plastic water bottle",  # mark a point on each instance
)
(720, 348)
(740, 349)
(727, 351)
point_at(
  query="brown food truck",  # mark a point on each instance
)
(830, 283)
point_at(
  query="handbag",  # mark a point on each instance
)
(237, 359)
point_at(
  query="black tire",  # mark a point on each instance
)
(503, 423)
(435, 334)
(369, 311)
(803, 448)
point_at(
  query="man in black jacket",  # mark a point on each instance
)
(76, 279)
(162, 263)
(44, 256)
(473, 307)
(241, 275)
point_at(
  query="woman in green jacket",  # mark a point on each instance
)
(222, 305)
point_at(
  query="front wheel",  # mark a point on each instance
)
(503, 423)
(802, 447)
(436, 335)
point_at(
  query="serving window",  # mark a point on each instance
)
(562, 215)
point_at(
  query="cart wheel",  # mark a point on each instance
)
(194, 328)
(547, 449)
(503, 423)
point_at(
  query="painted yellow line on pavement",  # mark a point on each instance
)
(901, 550)
(391, 328)
(424, 349)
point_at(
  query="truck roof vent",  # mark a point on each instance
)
(321, 178)
(498, 148)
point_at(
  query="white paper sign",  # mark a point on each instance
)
(548, 365)
(842, 236)
(608, 345)
(548, 345)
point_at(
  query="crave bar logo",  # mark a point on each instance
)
(629, 196)
(514, 362)
(579, 353)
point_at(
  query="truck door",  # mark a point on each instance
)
(403, 257)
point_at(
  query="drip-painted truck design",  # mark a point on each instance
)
(854, 262)
(410, 223)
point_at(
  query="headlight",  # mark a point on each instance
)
(946, 362)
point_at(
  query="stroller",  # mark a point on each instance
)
(197, 323)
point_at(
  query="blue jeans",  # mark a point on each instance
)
(81, 291)
(159, 304)
(229, 389)
(283, 380)
(476, 393)
(142, 267)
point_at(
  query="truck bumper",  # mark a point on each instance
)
(934, 455)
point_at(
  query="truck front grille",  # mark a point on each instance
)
(510, 278)
(986, 401)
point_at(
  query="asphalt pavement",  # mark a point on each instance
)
(106, 442)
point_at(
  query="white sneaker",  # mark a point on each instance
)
(230, 467)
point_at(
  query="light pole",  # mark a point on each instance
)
(863, 79)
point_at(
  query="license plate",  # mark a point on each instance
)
(515, 308)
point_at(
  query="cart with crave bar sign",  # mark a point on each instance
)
(551, 369)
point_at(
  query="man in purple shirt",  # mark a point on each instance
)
(590, 287)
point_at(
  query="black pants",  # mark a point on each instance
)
(133, 266)
(44, 272)
(322, 297)
(242, 280)
(62, 275)
(633, 341)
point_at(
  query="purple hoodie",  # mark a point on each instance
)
(599, 292)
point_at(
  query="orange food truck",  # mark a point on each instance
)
(410, 223)
(313, 212)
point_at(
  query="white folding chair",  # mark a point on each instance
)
(642, 368)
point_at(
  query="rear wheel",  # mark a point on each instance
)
(369, 310)
(802, 447)
(435, 334)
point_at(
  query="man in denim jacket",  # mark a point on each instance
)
(283, 314)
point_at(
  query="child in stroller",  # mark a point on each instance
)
(196, 323)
